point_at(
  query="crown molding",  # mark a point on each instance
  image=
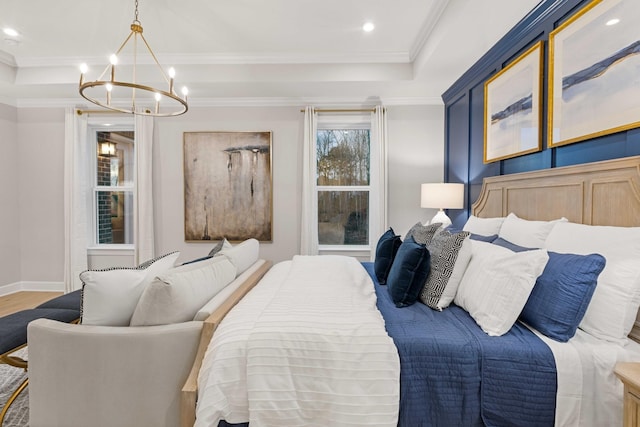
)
(7, 59)
(8, 101)
(217, 59)
(255, 102)
(427, 27)
(524, 33)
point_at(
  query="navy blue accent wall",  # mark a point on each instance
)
(464, 113)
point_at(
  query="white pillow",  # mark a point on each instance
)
(614, 305)
(497, 283)
(483, 226)
(109, 297)
(242, 255)
(530, 234)
(178, 294)
(462, 262)
(214, 303)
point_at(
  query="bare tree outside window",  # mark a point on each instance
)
(343, 178)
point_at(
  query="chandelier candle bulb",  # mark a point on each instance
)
(172, 74)
(83, 70)
(114, 61)
(158, 98)
(109, 86)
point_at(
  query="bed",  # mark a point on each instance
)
(449, 373)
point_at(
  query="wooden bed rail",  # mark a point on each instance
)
(189, 393)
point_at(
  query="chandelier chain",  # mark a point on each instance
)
(136, 13)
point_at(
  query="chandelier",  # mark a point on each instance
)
(138, 97)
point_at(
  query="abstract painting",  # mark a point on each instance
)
(512, 108)
(594, 72)
(227, 186)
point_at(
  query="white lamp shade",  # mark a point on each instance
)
(442, 196)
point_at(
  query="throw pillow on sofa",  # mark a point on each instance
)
(110, 296)
(242, 255)
(176, 295)
(222, 244)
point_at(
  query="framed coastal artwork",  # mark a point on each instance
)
(594, 72)
(512, 108)
(227, 186)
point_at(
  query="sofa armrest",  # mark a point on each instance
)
(82, 375)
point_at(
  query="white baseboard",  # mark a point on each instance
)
(31, 287)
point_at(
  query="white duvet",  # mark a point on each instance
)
(318, 357)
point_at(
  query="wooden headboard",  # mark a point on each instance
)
(600, 193)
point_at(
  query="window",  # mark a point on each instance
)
(113, 185)
(345, 194)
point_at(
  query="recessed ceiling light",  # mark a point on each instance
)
(10, 32)
(613, 21)
(368, 27)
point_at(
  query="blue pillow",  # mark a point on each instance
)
(198, 259)
(562, 294)
(481, 238)
(386, 250)
(512, 246)
(408, 272)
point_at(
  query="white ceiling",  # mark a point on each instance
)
(251, 52)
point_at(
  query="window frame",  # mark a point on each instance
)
(350, 121)
(106, 124)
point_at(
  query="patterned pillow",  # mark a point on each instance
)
(449, 259)
(423, 233)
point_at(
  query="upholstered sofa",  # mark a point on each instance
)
(119, 376)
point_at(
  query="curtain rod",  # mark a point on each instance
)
(320, 110)
(81, 112)
(114, 112)
(317, 110)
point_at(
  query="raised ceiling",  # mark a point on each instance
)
(251, 52)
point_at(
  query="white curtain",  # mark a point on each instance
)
(143, 194)
(77, 207)
(378, 223)
(309, 221)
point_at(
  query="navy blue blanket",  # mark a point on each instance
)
(453, 374)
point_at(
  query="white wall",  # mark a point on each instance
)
(416, 156)
(285, 123)
(34, 219)
(41, 175)
(9, 191)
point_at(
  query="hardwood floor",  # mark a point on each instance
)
(22, 300)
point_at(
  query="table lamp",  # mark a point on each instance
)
(442, 196)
